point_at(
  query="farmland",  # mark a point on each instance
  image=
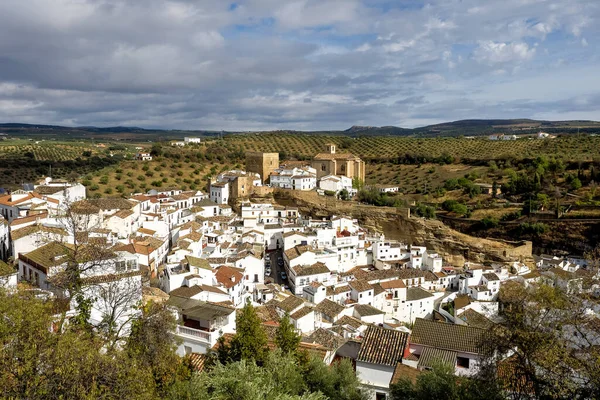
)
(569, 148)
(438, 174)
(415, 165)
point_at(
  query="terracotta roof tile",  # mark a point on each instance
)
(446, 336)
(403, 371)
(228, 276)
(329, 308)
(360, 286)
(382, 346)
(291, 303)
(316, 268)
(365, 310)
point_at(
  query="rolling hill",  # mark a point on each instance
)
(470, 127)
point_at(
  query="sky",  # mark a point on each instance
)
(299, 64)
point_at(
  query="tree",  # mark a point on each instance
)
(156, 149)
(241, 380)
(89, 280)
(546, 357)
(338, 381)
(344, 195)
(152, 343)
(441, 384)
(357, 183)
(286, 337)
(39, 362)
(250, 340)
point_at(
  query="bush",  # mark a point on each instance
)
(489, 222)
(455, 207)
(535, 228)
(330, 193)
(424, 211)
(511, 216)
(451, 184)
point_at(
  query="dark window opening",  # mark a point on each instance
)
(462, 362)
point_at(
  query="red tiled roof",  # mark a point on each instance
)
(228, 276)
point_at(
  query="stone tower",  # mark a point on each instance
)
(262, 164)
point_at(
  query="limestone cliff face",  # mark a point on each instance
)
(455, 247)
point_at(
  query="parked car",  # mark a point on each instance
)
(283, 275)
(268, 271)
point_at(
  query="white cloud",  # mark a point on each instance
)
(491, 53)
(296, 64)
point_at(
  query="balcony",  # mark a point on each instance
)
(208, 337)
(346, 241)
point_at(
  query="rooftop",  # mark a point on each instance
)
(416, 293)
(447, 336)
(316, 268)
(291, 303)
(329, 308)
(365, 310)
(382, 346)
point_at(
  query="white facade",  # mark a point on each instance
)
(4, 239)
(219, 192)
(336, 183)
(143, 157)
(293, 178)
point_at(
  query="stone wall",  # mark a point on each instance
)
(262, 164)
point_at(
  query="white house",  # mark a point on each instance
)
(387, 189)
(293, 178)
(200, 324)
(302, 275)
(113, 283)
(4, 239)
(336, 183)
(362, 292)
(189, 140)
(419, 303)
(458, 345)
(380, 352)
(219, 192)
(143, 157)
(304, 320)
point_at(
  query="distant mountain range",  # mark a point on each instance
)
(468, 127)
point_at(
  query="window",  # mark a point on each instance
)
(120, 266)
(462, 362)
(380, 396)
(323, 167)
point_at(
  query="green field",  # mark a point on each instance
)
(569, 148)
